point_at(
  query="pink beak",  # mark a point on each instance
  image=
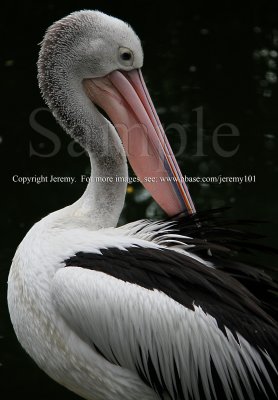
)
(125, 99)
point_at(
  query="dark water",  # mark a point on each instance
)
(205, 66)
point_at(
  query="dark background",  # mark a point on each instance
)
(219, 56)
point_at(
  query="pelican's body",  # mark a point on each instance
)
(62, 354)
(143, 311)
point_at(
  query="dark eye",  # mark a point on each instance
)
(125, 56)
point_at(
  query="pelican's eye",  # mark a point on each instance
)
(125, 56)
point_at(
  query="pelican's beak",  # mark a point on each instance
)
(125, 99)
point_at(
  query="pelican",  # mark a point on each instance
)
(152, 309)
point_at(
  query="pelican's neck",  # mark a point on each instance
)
(61, 85)
(103, 199)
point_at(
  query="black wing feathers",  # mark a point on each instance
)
(240, 297)
(188, 282)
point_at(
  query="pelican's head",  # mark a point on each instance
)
(90, 44)
(102, 58)
(100, 43)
